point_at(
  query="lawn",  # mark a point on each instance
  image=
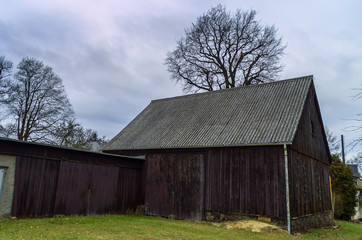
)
(144, 227)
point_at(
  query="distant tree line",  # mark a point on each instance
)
(35, 107)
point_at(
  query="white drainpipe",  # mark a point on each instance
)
(287, 186)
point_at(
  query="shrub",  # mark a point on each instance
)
(343, 188)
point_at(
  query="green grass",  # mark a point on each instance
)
(144, 227)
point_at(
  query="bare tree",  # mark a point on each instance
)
(72, 134)
(357, 127)
(358, 95)
(5, 73)
(5, 67)
(333, 143)
(222, 50)
(7, 130)
(36, 102)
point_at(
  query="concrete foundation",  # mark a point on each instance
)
(6, 201)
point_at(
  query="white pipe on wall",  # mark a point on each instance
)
(287, 186)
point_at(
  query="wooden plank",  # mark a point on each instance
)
(74, 182)
(35, 187)
(174, 186)
(308, 141)
(103, 190)
(242, 191)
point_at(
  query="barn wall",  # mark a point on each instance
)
(309, 160)
(310, 136)
(49, 180)
(46, 188)
(175, 185)
(246, 180)
(238, 180)
(35, 181)
(309, 185)
(310, 196)
(138, 153)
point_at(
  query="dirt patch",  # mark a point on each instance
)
(252, 225)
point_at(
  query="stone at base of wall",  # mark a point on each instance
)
(298, 224)
(318, 220)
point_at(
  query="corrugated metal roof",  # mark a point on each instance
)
(249, 115)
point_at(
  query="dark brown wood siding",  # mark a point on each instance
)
(50, 180)
(175, 185)
(309, 185)
(34, 191)
(246, 180)
(309, 161)
(46, 188)
(310, 137)
(239, 180)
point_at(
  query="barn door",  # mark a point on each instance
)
(86, 189)
(175, 185)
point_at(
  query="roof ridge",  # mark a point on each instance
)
(236, 88)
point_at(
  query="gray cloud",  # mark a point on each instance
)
(110, 53)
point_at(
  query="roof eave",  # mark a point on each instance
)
(199, 147)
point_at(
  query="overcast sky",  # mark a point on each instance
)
(110, 53)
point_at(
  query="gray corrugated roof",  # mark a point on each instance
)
(249, 115)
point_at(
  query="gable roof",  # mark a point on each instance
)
(249, 115)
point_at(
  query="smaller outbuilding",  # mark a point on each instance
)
(38, 180)
(256, 150)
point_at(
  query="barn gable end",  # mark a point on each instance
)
(309, 160)
(310, 137)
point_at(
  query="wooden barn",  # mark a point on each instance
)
(256, 150)
(38, 180)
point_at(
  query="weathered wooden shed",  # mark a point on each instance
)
(254, 150)
(43, 180)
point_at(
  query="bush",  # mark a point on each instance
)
(344, 189)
